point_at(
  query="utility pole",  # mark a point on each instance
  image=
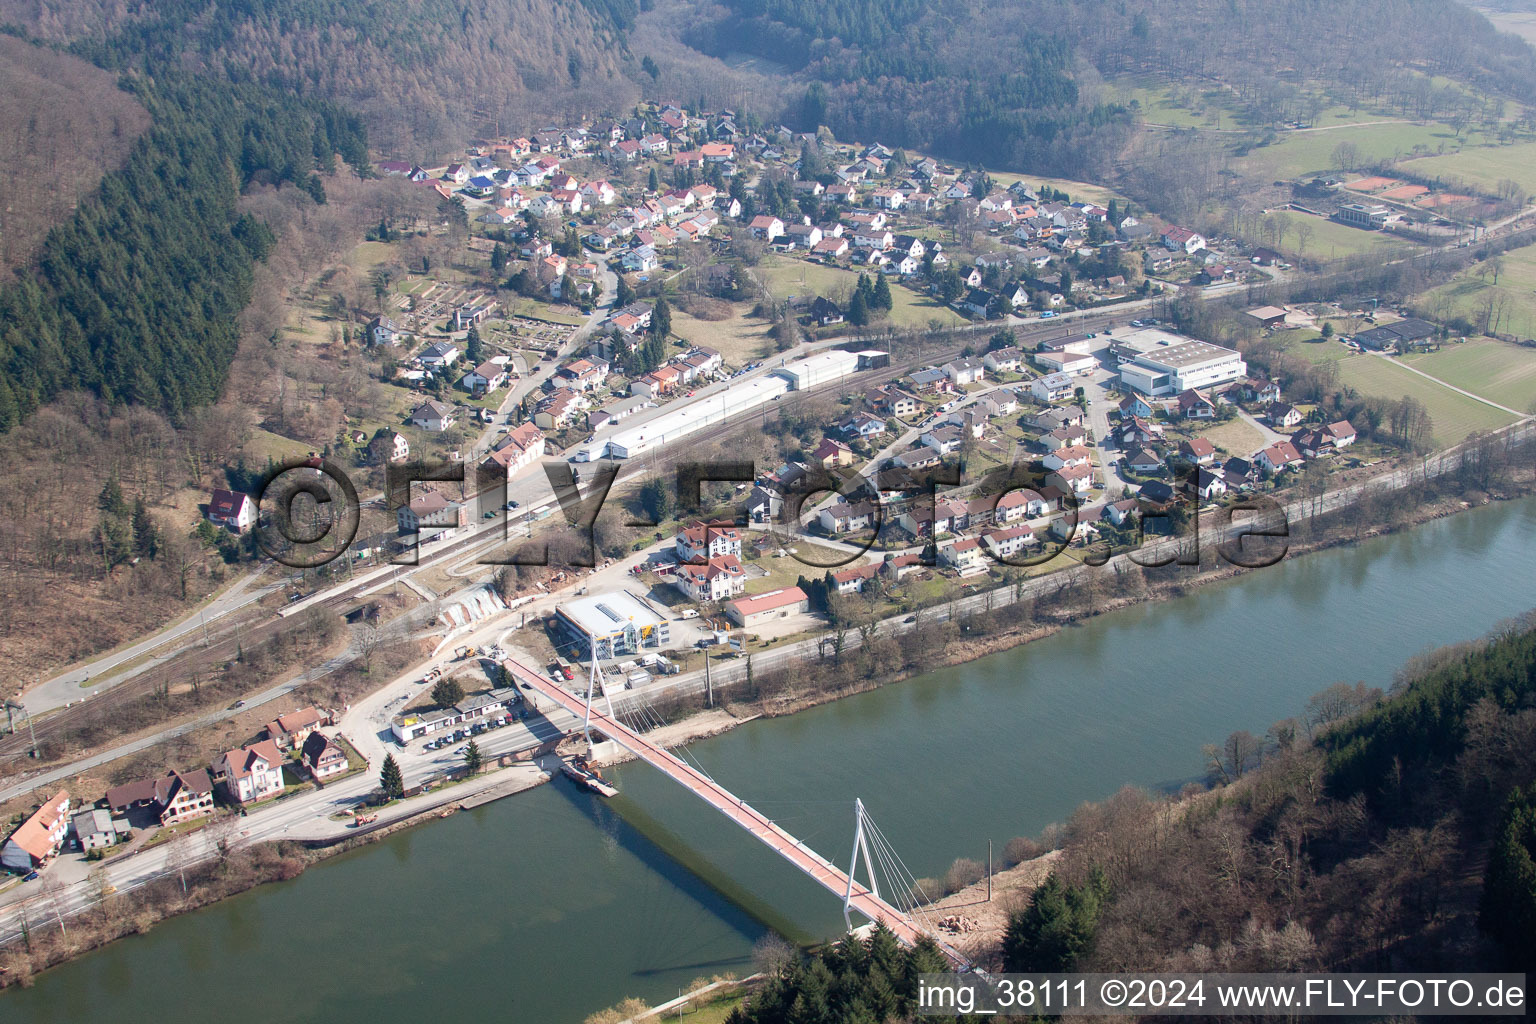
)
(709, 690)
(989, 871)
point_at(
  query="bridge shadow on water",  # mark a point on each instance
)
(678, 863)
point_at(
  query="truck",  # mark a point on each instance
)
(359, 819)
(564, 668)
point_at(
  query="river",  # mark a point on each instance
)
(552, 904)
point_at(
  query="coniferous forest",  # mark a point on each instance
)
(135, 298)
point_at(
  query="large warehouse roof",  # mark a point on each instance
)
(690, 417)
(606, 614)
(821, 368)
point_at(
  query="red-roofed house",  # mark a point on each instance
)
(288, 732)
(766, 228)
(232, 510)
(832, 453)
(250, 773)
(39, 838)
(715, 580)
(1280, 456)
(524, 445)
(701, 541)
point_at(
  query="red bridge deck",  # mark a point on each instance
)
(739, 811)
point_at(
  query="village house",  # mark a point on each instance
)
(846, 517)
(431, 509)
(289, 731)
(97, 829)
(384, 331)
(1003, 360)
(1278, 457)
(854, 579)
(766, 228)
(233, 510)
(323, 757)
(558, 409)
(1068, 455)
(1078, 478)
(172, 798)
(1321, 441)
(1121, 512)
(1134, 405)
(1005, 543)
(39, 837)
(1195, 406)
(1053, 387)
(1141, 459)
(701, 541)
(1197, 451)
(891, 400)
(1209, 483)
(1064, 437)
(944, 440)
(434, 415)
(964, 371)
(963, 555)
(389, 446)
(485, 378)
(583, 374)
(438, 356)
(861, 425)
(250, 773)
(716, 579)
(523, 445)
(830, 453)
(1183, 240)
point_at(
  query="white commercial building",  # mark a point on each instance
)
(619, 622)
(822, 368)
(685, 419)
(1156, 362)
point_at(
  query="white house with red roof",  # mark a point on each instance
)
(701, 541)
(1183, 240)
(39, 838)
(250, 773)
(716, 579)
(232, 510)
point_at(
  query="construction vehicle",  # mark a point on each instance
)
(359, 820)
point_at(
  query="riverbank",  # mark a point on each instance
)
(962, 644)
(834, 679)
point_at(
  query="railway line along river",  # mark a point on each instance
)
(552, 904)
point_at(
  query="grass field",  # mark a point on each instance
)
(1331, 239)
(1454, 416)
(1078, 190)
(786, 277)
(1306, 345)
(739, 340)
(1494, 369)
(1299, 153)
(1237, 436)
(1468, 294)
(1483, 166)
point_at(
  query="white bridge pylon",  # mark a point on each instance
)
(860, 845)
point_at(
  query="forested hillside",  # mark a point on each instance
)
(1371, 833)
(424, 74)
(136, 297)
(1017, 83)
(63, 124)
